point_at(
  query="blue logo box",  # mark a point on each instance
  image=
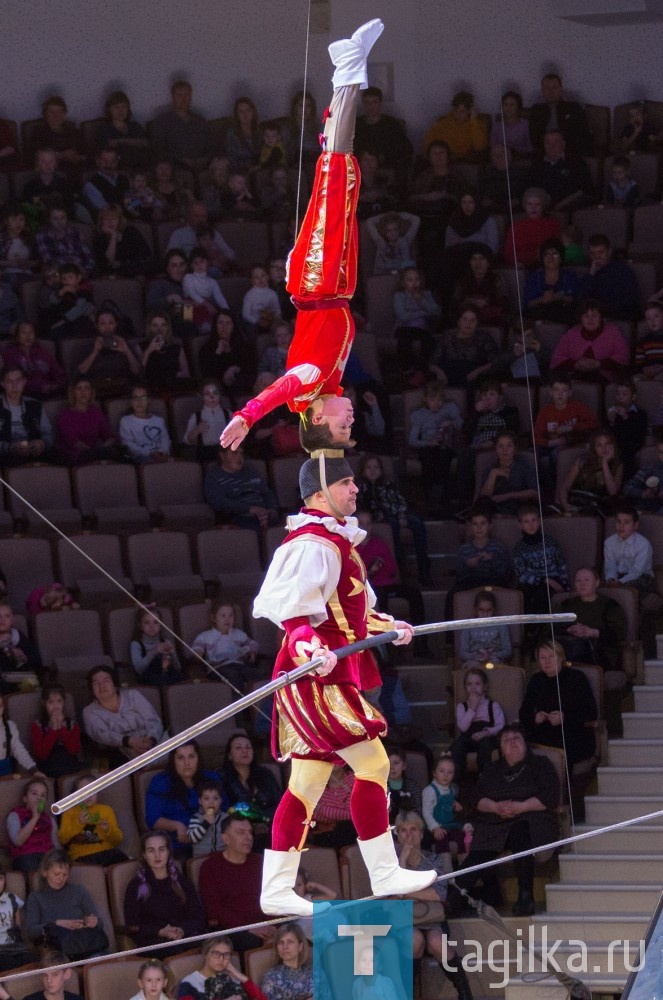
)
(363, 950)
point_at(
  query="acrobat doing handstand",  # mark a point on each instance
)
(322, 272)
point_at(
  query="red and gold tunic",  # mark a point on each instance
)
(317, 577)
(322, 277)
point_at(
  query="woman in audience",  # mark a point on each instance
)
(551, 291)
(292, 976)
(44, 376)
(595, 479)
(227, 358)
(250, 787)
(512, 480)
(218, 976)
(160, 903)
(55, 131)
(56, 740)
(111, 364)
(123, 721)
(466, 353)
(173, 196)
(435, 190)
(558, 705)
(144, 434)
(16, 653)
(243, 140)
(162, 356)
(511, 128)
(83, 433)
(59, 905)
(525, 236)
(481, 285)
(118, 247)
(172, 798)
(593, 349)
(385, 503)
(120, 131)
(469, 226)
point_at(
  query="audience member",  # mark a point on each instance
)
(238, 202)
(382, 134)
(558, 705)
(111, 364)
(122, 722)
(55, 738)
(160, 903)
(144, 434)
(230, 881)
(481, 646)
(54, 131)
(594, 480)
(292, 976)
(83, 432)
(153, 980)
(525, 236)
(479, 720)
(469, 226)
(649, 350)
(628, 423)
(26, 434)
(180, 133)
(434, 434)
(218, 975)
(121, 132)
(162, 357)
(63, 913)
(185, 237)
(242, 140)
(610, 281)
(226, 647)
(203, 290)
(645, 489)
(515, 799)
(107, 186)
(628, 555)
(462, 129)
(152, 652)
(48, 183)
(490, 416)
(621, 190)
(551, 292)
(30, 828)
(118, 247)
(433, 195)
(554, 112)
(560, 424)
(17, 653)
(501, 181)
(594, 350)
(226, 357)
(272, 149)
(90, 832)
(482, 561)
(65, 303)
(511, 129)
(404, 791)
(54, 980)
(440, 806)
(172, 797)
(251, 788)
(44, 376)
(526, 358)
(239, 492)
(482, 286)
(563, 175)
(204, 829)
(215, 186)
(60, 242)
(393, 234)
(465, 353)
(174, 192)
(417, 315)
(260, 306)
(14, 950)
(512, 481)
(302, 130)
(204, 426)
(17, 248)
(640, 135)
(539, 563)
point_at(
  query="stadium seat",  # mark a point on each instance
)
(173, 492)
(161, 561)
(48, 489)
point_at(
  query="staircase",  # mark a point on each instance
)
(610, 884)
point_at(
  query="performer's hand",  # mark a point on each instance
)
(233, 434)
(329, 664)
(407, 638)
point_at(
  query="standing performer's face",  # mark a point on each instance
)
(344, 495)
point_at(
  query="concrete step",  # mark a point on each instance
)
(653, 671)
(635, 753)
(592, 928)
(603, 809)
(614, 898)
(648, 698)
(642, 725)
(525, 988)
(592, 868)
(635, 840)
(630, 780)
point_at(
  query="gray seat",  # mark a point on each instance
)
(161, 561)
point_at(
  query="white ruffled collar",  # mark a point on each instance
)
(348, 528)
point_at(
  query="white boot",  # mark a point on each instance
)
(278, 896)
(387, 877)
(349, 55)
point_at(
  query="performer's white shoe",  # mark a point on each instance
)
(278, 896)
(387, 877)
(349, 55)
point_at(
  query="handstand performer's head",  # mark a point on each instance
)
(327, 423)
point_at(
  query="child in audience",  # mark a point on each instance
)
(628, 423)
(440, 808)
(56, 740)
(628, 555)
(621, 189)
(539, 563)
(649, 351)
(201, 289)
(54, 981)
(13, 755)
(482, 561)
(16, 650)
(204, 829)
(226, 647)
(11, 934)
(154, 981)
(273, 359)
(433, 433)
(90, 832)
(31, 829)
(272, 152)
(140, 201)
(646, 486)
(51, 597)
(479, 646)
(218, 262)
(479, 720)
(404, 792)
(65, 308)
(205, 425)
(560, 424)
(237, 201)
(417, 316)
(153, 653)
(394, 234)
(144, 434)
(260, 306)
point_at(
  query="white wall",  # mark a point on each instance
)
(84, 48)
